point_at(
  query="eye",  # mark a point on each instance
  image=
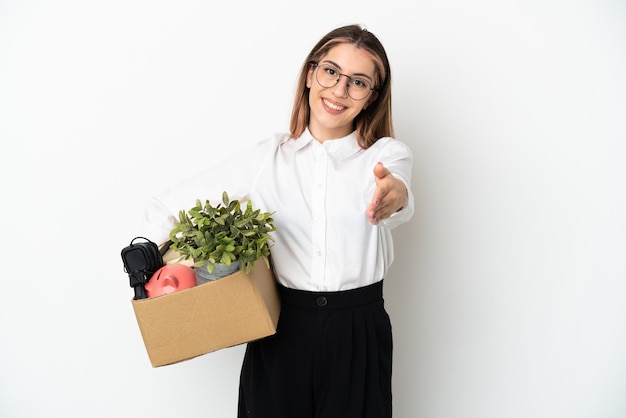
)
(361, 83)
(330, 71)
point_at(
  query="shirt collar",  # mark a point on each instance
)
(341, 148)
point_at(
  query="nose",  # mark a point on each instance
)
(341, 88)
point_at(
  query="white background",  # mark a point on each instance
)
(507, 295)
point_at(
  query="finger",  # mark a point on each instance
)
(379, 209)
(381, 174)
(380, 171)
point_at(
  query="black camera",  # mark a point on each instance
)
(141, 261)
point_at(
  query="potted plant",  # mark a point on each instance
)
(223, 236)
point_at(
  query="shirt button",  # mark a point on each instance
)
(321, 301)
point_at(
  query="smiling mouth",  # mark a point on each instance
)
(333, 106)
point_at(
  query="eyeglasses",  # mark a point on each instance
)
(327, 75)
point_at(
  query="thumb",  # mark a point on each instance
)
(380, 171)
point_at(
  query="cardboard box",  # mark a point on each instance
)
(223, 313)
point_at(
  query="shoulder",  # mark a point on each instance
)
(272, 142)
(391, 147)
(265, 151)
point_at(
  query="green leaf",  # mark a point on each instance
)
(226, 259)
(223, 233)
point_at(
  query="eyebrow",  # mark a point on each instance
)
(353, 75)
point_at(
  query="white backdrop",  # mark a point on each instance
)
(507, 295)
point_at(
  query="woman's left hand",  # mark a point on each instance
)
(390, 195)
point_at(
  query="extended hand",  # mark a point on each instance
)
(389, 197)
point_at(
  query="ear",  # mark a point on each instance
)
(309, 76)
(170, 284)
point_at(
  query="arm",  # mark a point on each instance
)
(234, 175)
(392, 201)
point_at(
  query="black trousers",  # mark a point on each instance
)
(331, 357)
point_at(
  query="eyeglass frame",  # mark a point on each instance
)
(317, 66)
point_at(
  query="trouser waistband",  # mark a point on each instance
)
(331, 300)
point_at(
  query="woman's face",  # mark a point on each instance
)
(332, 109)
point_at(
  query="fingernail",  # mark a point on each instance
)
(377, 202)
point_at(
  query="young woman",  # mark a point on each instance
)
(338, 183)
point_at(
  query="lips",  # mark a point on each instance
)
(333, 106)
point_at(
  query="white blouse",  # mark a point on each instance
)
(319, 193)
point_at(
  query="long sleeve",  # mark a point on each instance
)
(400, 164)
(318, 194)
(234, 175)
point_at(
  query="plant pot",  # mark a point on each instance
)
(219, 270)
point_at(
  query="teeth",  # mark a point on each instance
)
(333, 106)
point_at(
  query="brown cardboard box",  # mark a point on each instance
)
(226, 312)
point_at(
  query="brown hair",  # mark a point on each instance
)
(374, 121)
